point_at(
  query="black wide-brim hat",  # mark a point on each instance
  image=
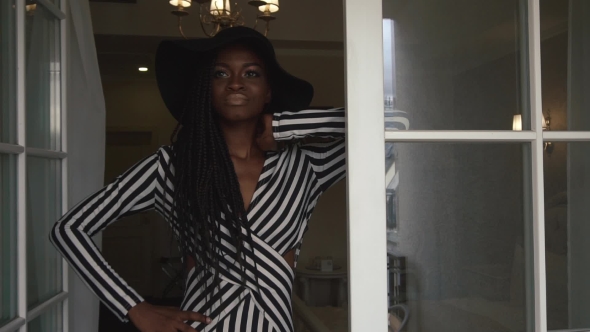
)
(177, 62)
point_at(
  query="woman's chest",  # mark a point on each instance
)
(248, 174)
(284, 197)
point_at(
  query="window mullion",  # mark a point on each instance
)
(21, 229)
(425, 136)
(536, 152)
(46, 154)
(11, 148)
(566, 136)
(13, 325)
(46, 306)
(64, 148)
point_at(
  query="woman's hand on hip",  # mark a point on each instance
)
(265, 138)
(151, 318)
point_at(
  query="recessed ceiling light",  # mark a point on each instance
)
(143, 69)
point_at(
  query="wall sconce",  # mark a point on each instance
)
(30, 7)
(517, 122)
(548, 146)
(546, 123)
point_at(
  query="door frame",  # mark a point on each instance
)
(20, 149)
(366, 180)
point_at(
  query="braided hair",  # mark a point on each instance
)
(205, 183)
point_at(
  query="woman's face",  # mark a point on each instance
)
(240, 85)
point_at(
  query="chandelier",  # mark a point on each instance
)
(216, 15)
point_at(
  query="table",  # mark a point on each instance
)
(305, 275)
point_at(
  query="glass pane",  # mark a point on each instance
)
(458, 236)
(7, 238)
(7, 72)
(43, 87)
(567, 211)
(457, 65)
(50, 321)
(565, 64)
(43, 209)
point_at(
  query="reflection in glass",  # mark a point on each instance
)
(50, 321)
(8, 222)
(7, 72)
(567, 211)
(458, 65)
(457, 259)
(565, 63)
(394, 120)
(44, 208)
(43, 79)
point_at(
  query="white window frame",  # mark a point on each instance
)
(21, 150)
(366, 180)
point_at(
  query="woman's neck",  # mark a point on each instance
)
(241, 138)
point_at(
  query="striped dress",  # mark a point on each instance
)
(288, 190)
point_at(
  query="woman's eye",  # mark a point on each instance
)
(252, 73)
(219, 74)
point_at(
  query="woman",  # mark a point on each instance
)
(237, 202)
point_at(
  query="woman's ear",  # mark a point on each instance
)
(268, 96)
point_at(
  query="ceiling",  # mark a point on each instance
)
(301, 20)
(127, 34)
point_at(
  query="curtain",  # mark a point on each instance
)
(86, 142)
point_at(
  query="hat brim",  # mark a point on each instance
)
(177, 62)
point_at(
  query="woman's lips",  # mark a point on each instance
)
(236, 99)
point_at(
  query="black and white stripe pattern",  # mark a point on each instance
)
(288, 189)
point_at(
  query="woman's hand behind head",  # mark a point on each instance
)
(265, 138)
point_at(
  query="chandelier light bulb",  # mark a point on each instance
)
(271, 6)
(218, 8)
(181, 3)
(216, 15)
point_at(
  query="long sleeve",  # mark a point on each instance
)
(132, 192)
(308, 123)
(327, 158)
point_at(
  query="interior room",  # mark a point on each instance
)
(463, 255)
(486, 159)
(137, 123)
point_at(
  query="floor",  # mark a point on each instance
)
(110, 323)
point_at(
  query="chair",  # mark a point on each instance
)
(395, 325)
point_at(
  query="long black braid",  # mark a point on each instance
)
(205, 182)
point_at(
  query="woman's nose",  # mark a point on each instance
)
(235, 83)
